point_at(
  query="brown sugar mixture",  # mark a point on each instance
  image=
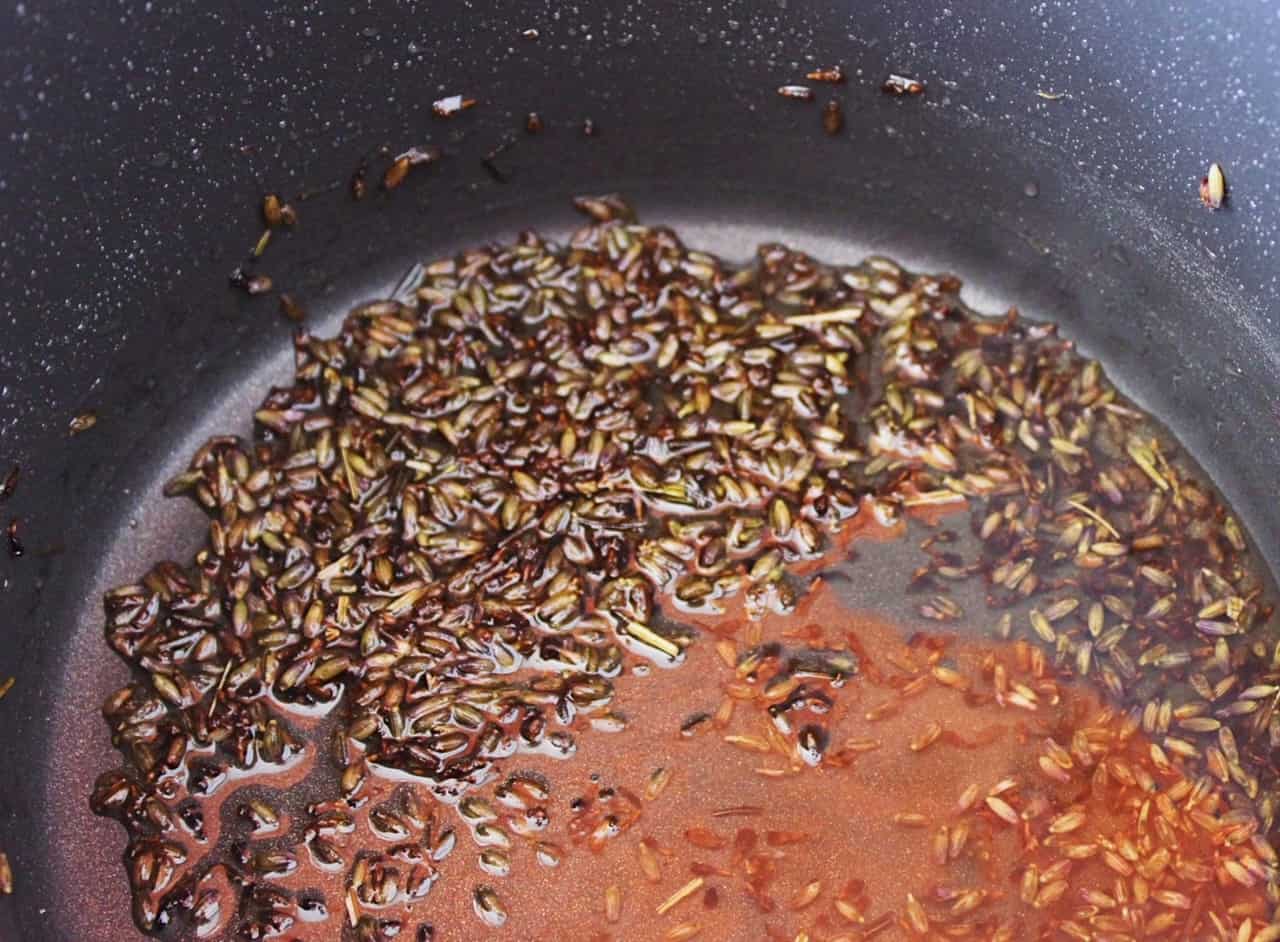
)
(517, 619)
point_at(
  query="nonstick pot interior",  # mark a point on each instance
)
(139, 142)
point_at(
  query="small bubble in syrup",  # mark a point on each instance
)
(1031, 189)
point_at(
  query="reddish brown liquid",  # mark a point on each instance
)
(827, 824)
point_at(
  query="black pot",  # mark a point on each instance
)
(1053, 163)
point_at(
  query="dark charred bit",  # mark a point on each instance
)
(901, 85)
(16, 549)
(695, 724)
(10, 483)
(291, 309)
(589, 128)
(533, 123)
(832, 117)
(250, 284)
(489, 160)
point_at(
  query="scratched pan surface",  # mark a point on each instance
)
(137, 142)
